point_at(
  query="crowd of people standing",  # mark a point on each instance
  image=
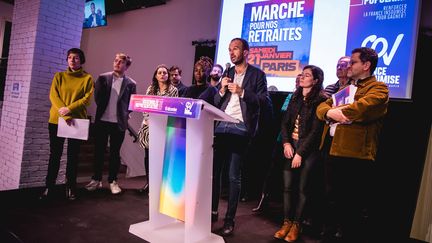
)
(325, 152)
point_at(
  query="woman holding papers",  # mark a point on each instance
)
(301, 131)
(161, 86)
(69, 95)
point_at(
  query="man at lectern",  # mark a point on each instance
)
(240, 94)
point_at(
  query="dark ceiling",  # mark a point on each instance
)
(8, 1)
(118, 6)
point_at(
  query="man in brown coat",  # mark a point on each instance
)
(350, 151)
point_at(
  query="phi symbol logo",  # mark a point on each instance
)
(188, 107)
(387, 57)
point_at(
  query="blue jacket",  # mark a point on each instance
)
(89, 20)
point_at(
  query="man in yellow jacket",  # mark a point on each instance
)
(349, 150)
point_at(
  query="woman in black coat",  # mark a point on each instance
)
(301, 132)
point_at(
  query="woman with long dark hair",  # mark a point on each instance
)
(301, 133)
(160, 86)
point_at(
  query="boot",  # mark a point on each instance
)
(45, 194)
(143, 190)
(71, 193)
(261, 204)
(214, 216)
(280, 234)
(293, 233)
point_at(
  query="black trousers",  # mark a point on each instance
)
(146, 162)
(103, 131)
(56, 151)
(349, 190)
(297, 188)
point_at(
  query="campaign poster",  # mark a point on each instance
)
(279, 33)
(389, 27)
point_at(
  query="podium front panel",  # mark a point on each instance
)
(172, 192)
(180, 164)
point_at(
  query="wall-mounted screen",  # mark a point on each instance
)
(94, 14)
(286, 35)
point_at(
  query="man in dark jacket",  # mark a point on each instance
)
(239, 96)
(112, 94)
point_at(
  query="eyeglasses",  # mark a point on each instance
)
(342, 65)
(354, 62)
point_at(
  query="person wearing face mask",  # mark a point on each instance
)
(70, 95)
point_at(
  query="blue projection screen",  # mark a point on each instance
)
(286, 35)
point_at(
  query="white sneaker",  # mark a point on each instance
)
(93, 185)
(115, 189)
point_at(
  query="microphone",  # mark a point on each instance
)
(225, 73)
(227, 67)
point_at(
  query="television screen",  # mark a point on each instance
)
(286, 35)
(94, 14)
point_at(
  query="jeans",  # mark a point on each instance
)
(229, 150)
(231, 128)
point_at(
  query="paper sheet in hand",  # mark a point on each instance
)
(344, 96)
(78, 130)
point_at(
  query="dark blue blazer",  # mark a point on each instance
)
(89, 20)
(102, 95)
(255, 93)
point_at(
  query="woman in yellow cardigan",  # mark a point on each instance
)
(69, 95)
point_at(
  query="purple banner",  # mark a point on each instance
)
(170, 106)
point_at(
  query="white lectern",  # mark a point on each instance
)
(188, 199)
